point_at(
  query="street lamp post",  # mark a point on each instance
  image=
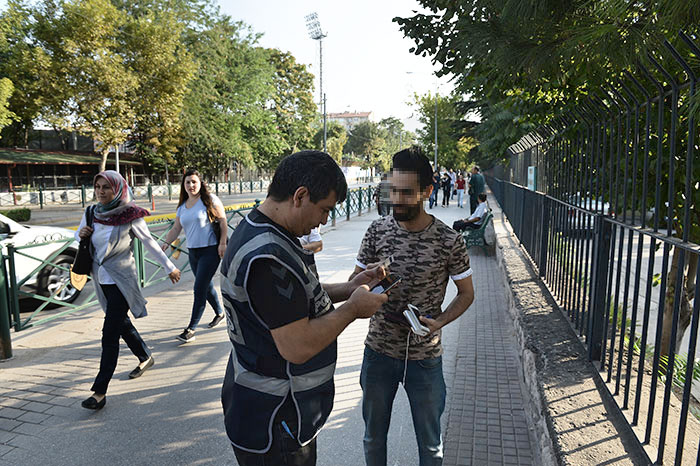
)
(435, 167)
(316, 33)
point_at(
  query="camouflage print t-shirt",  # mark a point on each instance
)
(426, 260)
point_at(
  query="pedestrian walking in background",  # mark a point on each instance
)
(381, 195)
(427, 254)
(278, 389)
(197, 210)
(460, 184)
(446, 184)
(453, 182)
(433, 200)
(476, 187)
(116, 221)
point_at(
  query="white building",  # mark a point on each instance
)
(349, 119)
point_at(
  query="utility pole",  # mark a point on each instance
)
(324, 123)
(436, 123)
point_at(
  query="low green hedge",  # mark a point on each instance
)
(18, 215)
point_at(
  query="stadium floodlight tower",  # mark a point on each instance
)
(316, 33)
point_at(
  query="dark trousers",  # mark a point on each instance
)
(446, 196)
(285, 450)
(204, 262)
(472, 203)
(461, 225)
(117, 324)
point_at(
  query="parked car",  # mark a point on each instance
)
(50, 278)
(582, 224)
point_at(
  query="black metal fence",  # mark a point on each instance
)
(613, 228)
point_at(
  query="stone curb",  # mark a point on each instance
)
(570, 428)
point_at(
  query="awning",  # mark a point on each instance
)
(12, 156)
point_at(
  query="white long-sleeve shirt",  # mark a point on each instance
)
(100, 241)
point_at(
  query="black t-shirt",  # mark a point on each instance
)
(275, 294)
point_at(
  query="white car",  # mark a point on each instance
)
(49, 279)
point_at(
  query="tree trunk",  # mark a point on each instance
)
(687, 288)
(103, 161)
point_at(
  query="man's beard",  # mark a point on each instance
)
(410, 213)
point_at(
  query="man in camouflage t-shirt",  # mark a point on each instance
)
(426, 253)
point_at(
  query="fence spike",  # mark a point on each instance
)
(679, 59)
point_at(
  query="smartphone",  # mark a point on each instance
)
(387, 284)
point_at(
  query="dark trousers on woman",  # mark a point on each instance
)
(117, 324)
(446, 196)
(204, 262)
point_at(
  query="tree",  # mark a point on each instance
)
(336, 138)
(453, 146)
(397, 137)
(6, 116)
(292, 104)
(21, 61)
(93, 85)
(368, 140)
(223, 118)
(154, 52)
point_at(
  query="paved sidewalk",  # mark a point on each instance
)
(172, 415)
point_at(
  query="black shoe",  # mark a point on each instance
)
(186, 336)
(140, 370)
(92, 403)
(217, 320)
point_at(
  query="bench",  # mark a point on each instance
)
(476, 237)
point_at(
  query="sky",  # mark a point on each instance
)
(367, 65)
(366, 59)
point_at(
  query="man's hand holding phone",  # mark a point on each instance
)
(373, 274)
(365, 303)
(385, 285)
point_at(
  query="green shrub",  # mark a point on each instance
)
(18, 215)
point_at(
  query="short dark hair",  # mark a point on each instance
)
(313, 169)
(476, 167)
(414, 160)
(482, 197)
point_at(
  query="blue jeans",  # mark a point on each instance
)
(425, 387)
(460, 197)
(434, 197)
(204, 262)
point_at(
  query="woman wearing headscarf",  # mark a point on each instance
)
(196, 211)
(116, 221)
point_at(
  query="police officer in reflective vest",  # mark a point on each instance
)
(278, 389)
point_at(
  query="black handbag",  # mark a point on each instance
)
(216, 226)
(82, 264)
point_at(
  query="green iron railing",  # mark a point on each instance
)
(13, 290)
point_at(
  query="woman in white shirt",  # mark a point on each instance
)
(116, 221)
(195, 212)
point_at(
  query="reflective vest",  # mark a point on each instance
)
(258, 379)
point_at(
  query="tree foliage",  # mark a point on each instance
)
(6, 116)
(526, 61)
(336, 138)
(183, 83)
(453, 145)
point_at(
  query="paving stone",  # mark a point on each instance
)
(34, 418)
(11, 413)
(28, 428)
(5, 449)
(8, 424)
(36, 407)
